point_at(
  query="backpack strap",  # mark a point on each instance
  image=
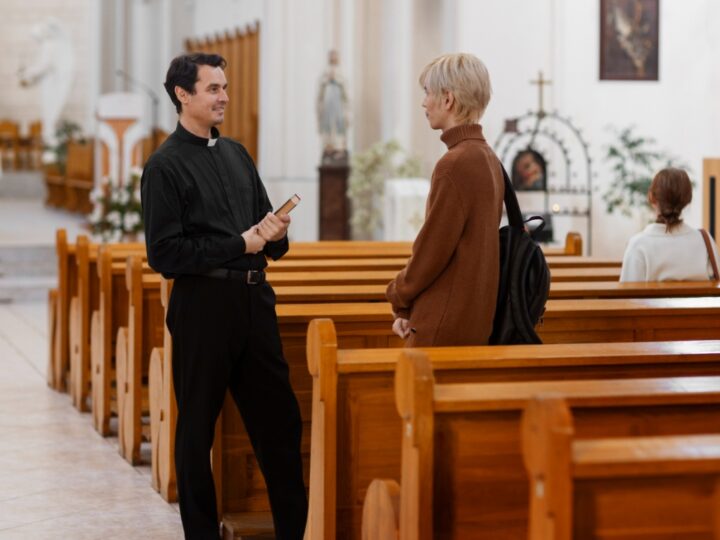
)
(711, 254)
(512, 206)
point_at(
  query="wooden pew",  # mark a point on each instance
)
(637, 487)
(59, 350)
(461, 472)
(285, 295)
(54, 185)
(135, 343)
(79, 173)
(570, 261)
(9, 144)
(585, 274)
(398, 263)
(87, 301)
(163, 409)
(359, 321)
(615, 289)
(353, 401)
(84, 324)
(354, 249)
(294, 294)
(364, 288)
(347, 249)
(135, 371)
(112, 313)
(82, 305)
(368, 325)
(573, 246)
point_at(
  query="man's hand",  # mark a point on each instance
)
(401, 327)
(273, 228)
(254, 243)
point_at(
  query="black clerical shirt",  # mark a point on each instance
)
(198, 197)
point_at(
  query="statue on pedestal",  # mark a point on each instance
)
(53, 71)
(332, 112)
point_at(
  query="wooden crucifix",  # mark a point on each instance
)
(541, 82)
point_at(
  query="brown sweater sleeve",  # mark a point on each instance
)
(434, 246)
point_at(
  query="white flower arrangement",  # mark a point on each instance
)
(117, 214)
(366, 185)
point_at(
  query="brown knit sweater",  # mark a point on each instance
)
(448, 289)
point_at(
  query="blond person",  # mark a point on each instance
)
(447, 292)
(669, 249)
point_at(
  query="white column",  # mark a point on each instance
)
(95, 61)
(347, 59)
(396, 78)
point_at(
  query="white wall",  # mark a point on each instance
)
(18, 48)
(215, 16)
(516, 38)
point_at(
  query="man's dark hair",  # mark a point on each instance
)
(183, 73)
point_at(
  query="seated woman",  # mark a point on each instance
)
(668, 250)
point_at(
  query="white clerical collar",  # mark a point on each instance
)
(211, 142)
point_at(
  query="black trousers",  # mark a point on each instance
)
(225, 336)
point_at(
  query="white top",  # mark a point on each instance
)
(678, 255)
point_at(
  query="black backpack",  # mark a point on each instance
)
(524, 278)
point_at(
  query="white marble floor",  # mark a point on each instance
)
(25, 222)
(59, 479)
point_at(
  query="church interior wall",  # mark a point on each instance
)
(294, 39)
(20, 104)
(561, 37)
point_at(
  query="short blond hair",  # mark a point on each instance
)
(466, 77)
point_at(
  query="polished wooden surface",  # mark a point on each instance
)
(628, 487)
(353, 410)
(478, 485)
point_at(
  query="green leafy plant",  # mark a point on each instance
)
(634, 161)
(117, 214)
(366, 185)
(65, 132)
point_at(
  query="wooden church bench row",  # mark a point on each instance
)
(366, 326)
(353, 410)
(359, 249)
(70, 189)
(639, 487)
(102, 350)
(462, 474)
(87, 300)
(59, 350)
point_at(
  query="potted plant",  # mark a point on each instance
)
(634, 161)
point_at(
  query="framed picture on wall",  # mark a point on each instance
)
(629, 44)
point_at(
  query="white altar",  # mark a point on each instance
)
(404, 209)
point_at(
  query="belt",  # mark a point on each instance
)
(251, 277)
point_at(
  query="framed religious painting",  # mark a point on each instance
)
(529, 171)
(629, 40)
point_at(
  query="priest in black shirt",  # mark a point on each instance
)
(209, 225)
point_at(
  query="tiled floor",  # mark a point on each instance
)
(28, 222)
(58, 478)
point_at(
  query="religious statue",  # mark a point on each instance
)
(332, 112)
(52, 70)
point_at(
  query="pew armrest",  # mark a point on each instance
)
(381, 510)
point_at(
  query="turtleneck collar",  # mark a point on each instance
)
(186, 136)
(457, 134)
